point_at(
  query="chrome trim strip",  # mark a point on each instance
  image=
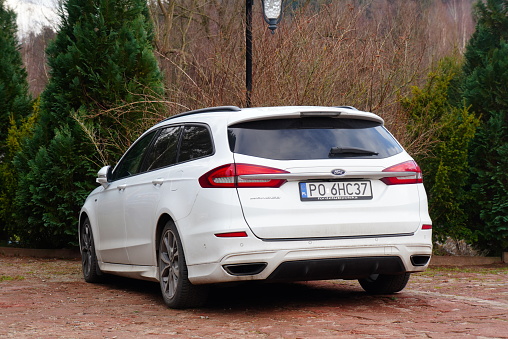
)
(341, 237)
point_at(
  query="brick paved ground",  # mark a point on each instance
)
(47, 298)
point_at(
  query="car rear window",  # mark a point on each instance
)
(312, 138)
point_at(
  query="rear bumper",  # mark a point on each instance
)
(318, 260)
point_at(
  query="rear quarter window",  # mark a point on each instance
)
(312, 138)
(196, 143)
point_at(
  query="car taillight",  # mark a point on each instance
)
(229, 176)
(408, 166)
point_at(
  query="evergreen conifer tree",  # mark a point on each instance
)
(14, 107)
(445, 166)
(101, 59)
(485, 90)
(14, 98)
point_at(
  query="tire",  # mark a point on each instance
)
(89, 263)
(384, 283)
(177, 290)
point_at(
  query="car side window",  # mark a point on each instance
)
(196, 143)
(164, 150)
(131, 162)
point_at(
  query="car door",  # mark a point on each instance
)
(170, 165)
(142, 199)
(111, 203)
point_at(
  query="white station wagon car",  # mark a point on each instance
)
(275, 194)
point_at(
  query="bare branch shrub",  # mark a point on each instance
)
(201, 51)
(361, 53)
(133, 117)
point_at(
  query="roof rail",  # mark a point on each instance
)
(350, 107)
(206, 110)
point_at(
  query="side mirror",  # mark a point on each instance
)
(103, 176)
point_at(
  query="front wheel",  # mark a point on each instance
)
(384, 283)
(177, 290)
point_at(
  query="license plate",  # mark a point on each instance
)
(338, 190)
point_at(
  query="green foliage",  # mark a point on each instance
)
(489, 160)
(49, 196)
(17, 133)
(100, 59)
(445, 166)
(486, 76)
(14, 107)
(14, 99)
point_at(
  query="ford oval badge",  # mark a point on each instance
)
(338, 172)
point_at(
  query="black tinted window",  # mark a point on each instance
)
(196, 143)
(131, 162)
(312, 138)
(164, 150)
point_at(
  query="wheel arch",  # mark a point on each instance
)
(83, 215)
(163, 220)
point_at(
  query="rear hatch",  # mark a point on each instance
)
(320, 176)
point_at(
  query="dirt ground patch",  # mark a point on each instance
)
(47, 298)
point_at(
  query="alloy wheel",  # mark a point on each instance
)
(86, 249)
(169, 264)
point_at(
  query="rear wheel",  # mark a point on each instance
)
(177, 290)
(89, 263)
(384, 283)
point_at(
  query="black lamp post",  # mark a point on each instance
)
(272, 12)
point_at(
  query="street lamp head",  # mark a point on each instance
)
(272, 11)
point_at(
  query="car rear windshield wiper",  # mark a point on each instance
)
(349, 152)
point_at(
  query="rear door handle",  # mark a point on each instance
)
(121, 187)
(158, 181)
